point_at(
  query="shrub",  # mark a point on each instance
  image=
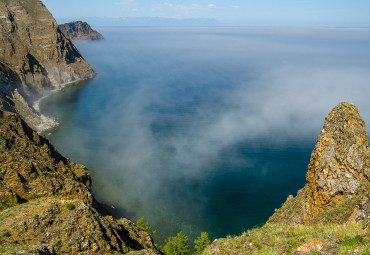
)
(70, 206)
(68, 166)
(5, 234)
(56, 211)
(145, 226)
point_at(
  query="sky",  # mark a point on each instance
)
(228, 12)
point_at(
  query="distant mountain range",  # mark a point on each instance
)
(144, 21)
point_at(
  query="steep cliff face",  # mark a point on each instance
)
(80, 30)
(32, 168)
(46, 206)
(35, 57)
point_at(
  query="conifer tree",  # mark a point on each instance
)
(177, 245)
(201, 242)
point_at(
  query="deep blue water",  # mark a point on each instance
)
(206, 129)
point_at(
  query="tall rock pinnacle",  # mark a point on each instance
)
(337, 163)
(338, 173)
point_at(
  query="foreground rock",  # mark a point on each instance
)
(331, 214)
(80, 30)
(46, 202)
(58, 225)
(31, 167)
(35, 57)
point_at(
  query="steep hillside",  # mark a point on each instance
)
(80, 30)
(331, 214)
(35, 56)
(46, 206)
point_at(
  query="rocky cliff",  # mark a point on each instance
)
(80, 30)
(331, 214)
(46, 206)
(35, 56)
(338, 172)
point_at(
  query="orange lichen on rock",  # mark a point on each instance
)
(353, 217)
(337, 161)
(315, 245)
(339, 169)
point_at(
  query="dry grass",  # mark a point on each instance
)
(279, 239)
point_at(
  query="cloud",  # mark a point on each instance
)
(189, 7)
(235, 6)
(127, 2)
(183, 7)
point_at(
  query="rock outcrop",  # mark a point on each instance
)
(337, 177)
(35, 56)
(46, 206)
(31, 167)
(80, 30)
(336, 195)
(338, 162)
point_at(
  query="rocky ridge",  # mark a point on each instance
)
(80, 30)
(331, 213)
(46, 206)
(35, 57)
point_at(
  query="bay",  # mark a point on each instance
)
(206, 129)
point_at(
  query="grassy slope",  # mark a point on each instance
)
(336, 238)
(281, 235)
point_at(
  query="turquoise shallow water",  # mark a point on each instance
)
(206, 129)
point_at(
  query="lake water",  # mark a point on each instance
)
(206, 129)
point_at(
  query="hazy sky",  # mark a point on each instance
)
(243, 12)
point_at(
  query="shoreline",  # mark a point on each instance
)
(46, 122)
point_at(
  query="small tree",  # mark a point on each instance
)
(145, 226)
(201, 242)
(177, 245)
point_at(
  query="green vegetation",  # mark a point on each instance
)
(56, 211)
(5, 234)
(280, 239)
(350, 244)
(201, 243)
(8, 204)
(68, 166)
(177, 245)
(70, 206)
(145, 226)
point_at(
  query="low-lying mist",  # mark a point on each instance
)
(206, 129)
